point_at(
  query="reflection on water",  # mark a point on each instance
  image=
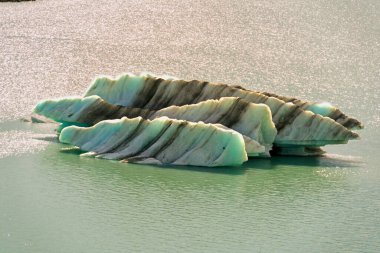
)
(328, 160)
(110, 205)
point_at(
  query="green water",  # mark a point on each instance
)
(54, 201)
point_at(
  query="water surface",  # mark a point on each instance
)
(53, 201)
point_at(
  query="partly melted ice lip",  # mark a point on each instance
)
(323, 108)
(312, 143)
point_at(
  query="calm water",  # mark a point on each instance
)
(52, 201)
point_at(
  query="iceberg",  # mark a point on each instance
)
(155, 93)
(161, 141)
(301, 135)
(148, 119)
(253, 121)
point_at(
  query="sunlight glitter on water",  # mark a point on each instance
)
(14, 143)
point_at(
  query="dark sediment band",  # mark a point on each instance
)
(251, 120)
(301, 128)
(160, 141)
(335, 113)
(156, 93)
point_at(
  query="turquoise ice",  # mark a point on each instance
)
(160, 141)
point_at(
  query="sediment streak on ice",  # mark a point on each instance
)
(254, 121)
(159, 141)
(149, 92)
(293, 126)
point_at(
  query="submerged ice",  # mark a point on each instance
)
(261, 120)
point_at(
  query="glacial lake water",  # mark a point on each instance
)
(51, 201)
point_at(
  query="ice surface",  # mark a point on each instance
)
(160, 141)
(262, 120)
(150, 92)
(254, 121)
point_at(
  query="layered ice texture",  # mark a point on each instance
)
(253, 121)
(160, 141)
(150, 92)
(263, 120)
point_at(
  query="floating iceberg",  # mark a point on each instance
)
(261, 120)
(160, 141)
(253, 121)
(149, 92)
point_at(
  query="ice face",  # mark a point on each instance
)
(160, 141)
(251, 120)
(149, 92)
(262, 119)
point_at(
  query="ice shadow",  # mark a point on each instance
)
(327, 161)
(272, 163)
